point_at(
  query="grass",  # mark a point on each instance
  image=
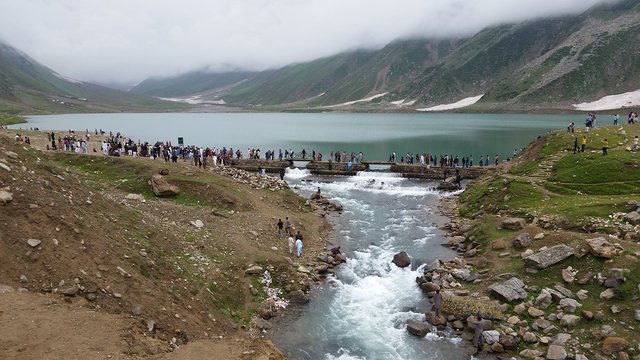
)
(9, 119)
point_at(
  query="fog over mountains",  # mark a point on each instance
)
(529, 65)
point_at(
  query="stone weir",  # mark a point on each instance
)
(270, 166)
(335, 168)
(414, 171)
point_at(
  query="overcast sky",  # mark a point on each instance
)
(129, 40)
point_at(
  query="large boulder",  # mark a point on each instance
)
(615, 278)
(544, 259)
(162, 188)
(417, 328)
(522, 241)
(614, 344)
(514, 223)
(401, 259)
(510, 290)
(632, 218)
(600, 247)
(556, 352)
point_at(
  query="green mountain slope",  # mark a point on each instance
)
(27, 86)
(191, 83)
(547, 63)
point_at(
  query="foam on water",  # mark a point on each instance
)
(362, 313)
(295, 173)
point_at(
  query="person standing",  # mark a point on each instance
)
(437, 303)
(575, 145)
(634, 147)
(615, 119)
(289, 227)
(583, 143)
(477, 336)
(280, 225)
(605, 146)
(291, 244)
(299, 244)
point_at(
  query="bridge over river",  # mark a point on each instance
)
(414, 171)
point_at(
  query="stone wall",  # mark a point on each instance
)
(270, 166)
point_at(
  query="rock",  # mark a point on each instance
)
(615, 309)
(607, 294)
(581, 357)
(162, 188)
(6, 289)
(615, 278)
(523, 240)
(197, 223)
(458, 325)
(401, 259)
(455, 241)
(535, 312)
(134, 197)
(519, 309)
(69, 291)
(4, 166)
(586, 279)
(509, 290)
(136, 310)
(527, 253)
(582, 294)
(432, 266)
(561, 339)
(429, 287)
(508, 342)
(538, 236)
(150, 325)
(568, 275)
(529, 337)
(541, 324)
(254, 270)
(512, 320)
(530, 353)
(498, 245)
(417, 328)
(544, 259)
(434, 319)
(633, 205)
(563, 291)
(497, 348)
(569, 320)
(587, 314)
(569, 305)
(614, 344)
(514, 223)
(632, 218)
(600, 247)
(5, 197)
(34, 242)
(636, 315)
(544, 299)
(556, 352)
(490, 336)
(12, 155)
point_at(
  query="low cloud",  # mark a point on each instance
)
(130, 40)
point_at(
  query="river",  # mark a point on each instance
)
(360, 313)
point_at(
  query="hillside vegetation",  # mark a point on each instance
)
(75, 248)
(565, 198)
(28, 87)
(546, 64)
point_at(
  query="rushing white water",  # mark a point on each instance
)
(361, 313)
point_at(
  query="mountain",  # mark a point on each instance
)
(27, 86)
(191, 83)
(543, 64)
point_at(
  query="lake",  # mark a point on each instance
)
(376, 135)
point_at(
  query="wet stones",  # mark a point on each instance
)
(417, 328)
(401, 259)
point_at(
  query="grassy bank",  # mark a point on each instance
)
(9, 119)
(566, 198)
